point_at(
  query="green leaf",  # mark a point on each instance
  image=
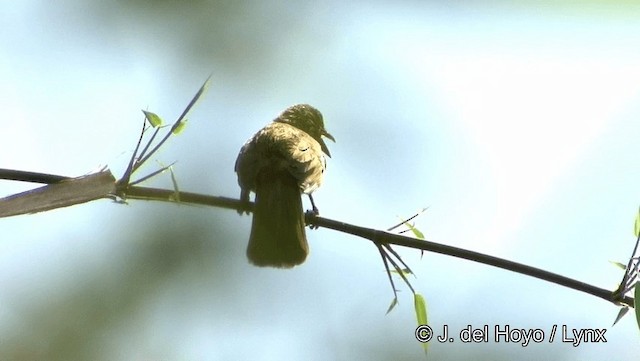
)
(416, 232)
(421, 314)
(405, 271)
(153, 118)
(636, 225)
(421, 309)
(619, 265)
(393, 304)
(623, 311)
(636, 306)
(179, 127)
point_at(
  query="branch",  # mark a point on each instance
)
(385, 237)
(62, 192)
(71, 191)
(166, 195)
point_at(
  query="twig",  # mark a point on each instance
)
(382, 236)
(374, 235)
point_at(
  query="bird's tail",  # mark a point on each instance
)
(277, 233)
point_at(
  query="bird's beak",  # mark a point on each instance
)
(323, 145)
(329, 136)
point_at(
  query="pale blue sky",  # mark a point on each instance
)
(516, 125)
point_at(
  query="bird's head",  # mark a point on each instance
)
(308, 119)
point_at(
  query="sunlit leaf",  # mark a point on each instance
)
(619, 265)
(404, 271)
(421, 309)
(153, 118)
(421, 314)
(416, 232)
(179, 127)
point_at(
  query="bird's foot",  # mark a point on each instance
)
(245, 204)
(245, 207)
(313, 212)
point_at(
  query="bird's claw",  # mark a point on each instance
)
(244, 207)
(313, 212)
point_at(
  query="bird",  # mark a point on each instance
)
(279, 163)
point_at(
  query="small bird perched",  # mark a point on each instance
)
(281, 161)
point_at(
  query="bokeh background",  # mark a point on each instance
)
(516, 123)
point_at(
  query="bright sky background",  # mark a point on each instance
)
(516, 125)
